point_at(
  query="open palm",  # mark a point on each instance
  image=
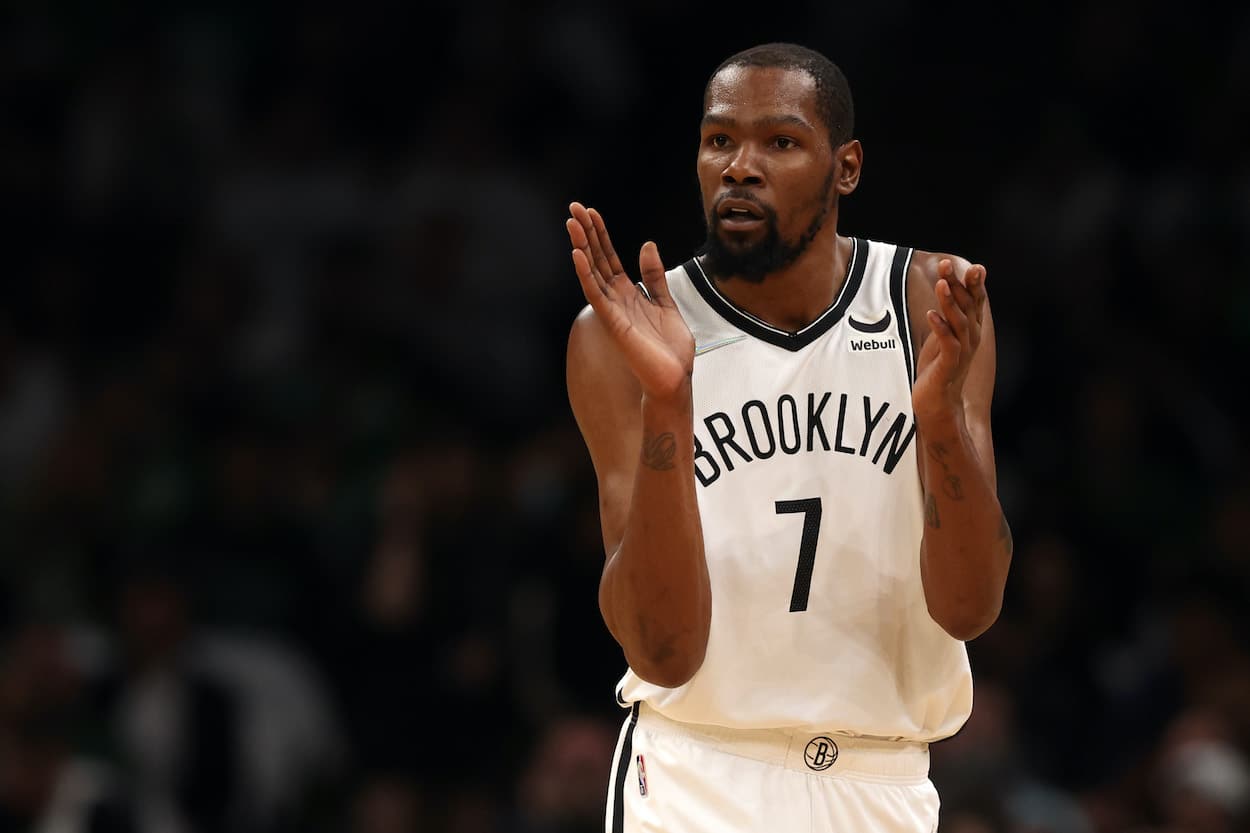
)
(646, 327)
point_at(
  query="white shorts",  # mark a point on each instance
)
(670, 777)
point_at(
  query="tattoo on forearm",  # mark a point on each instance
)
(930, 512)
(1004, 535)
(952, 487)
(658, 452)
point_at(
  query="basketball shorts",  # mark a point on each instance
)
(670, 777)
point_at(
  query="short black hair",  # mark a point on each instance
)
(833, 94)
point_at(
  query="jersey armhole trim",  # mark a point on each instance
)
(898, 297)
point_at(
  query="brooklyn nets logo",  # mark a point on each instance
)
(821, 752)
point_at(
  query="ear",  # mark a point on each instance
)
(849, 158)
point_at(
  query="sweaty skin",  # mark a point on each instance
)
(630, 359)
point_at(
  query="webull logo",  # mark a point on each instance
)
(858, 344)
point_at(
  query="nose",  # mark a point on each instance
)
(743, 168)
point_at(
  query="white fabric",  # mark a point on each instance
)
(713, 781)
(864, 658)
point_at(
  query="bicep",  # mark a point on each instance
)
(606, 402)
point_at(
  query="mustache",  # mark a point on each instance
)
(744, 196)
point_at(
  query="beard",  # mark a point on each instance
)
(753, 261)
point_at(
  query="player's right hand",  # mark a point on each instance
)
(649, 332)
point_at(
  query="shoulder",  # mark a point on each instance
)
(590, 344)
(586, 328)
(924, 267)
(922, 278)
(595, 371)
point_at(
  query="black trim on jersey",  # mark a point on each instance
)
(898, 294)
(751, 325)
(622, 769)
(620, 699)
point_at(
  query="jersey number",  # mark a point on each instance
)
(810, 507)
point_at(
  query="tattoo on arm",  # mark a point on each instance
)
(951, 485)
(953, 489)
(658, 452)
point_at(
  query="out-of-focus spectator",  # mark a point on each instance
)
(561, 789)
(47, 783)
(389, 803)
(1201, 779)
(34, 398)
(986, 777)
(216, 732)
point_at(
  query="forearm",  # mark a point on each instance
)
(967, 543)
(654, 593)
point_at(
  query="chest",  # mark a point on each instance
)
(841, 404)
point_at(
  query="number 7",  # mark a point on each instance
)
(810, 507)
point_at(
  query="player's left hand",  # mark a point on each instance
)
(955, 335)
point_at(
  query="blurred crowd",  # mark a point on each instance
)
(297, 532)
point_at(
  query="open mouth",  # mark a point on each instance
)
(739, 214)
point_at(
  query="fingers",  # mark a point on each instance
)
(596, 283)
(593, 284)
(949, 325)
(577, 233)
(942, 328)
(584, 237)
(974, 282)
(594, 290)
(955, 313)
(956, 321)
(595, 250)
(969, 299)
(947, 342)
(653, 278)
(614, 262)
(598, 266)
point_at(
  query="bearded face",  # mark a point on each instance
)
(744, 238)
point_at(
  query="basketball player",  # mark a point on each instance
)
(791, 435)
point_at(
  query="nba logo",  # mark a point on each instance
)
(642, 776)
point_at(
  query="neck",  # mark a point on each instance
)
(793, 297)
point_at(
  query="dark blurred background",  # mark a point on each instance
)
(297, 532)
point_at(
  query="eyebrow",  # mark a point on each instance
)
(713, 120)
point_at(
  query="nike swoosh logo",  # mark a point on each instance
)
(700, 349)
(874, 327)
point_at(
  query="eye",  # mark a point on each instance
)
(785, 142)
(718, 140)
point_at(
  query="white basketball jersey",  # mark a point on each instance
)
(805, 466)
